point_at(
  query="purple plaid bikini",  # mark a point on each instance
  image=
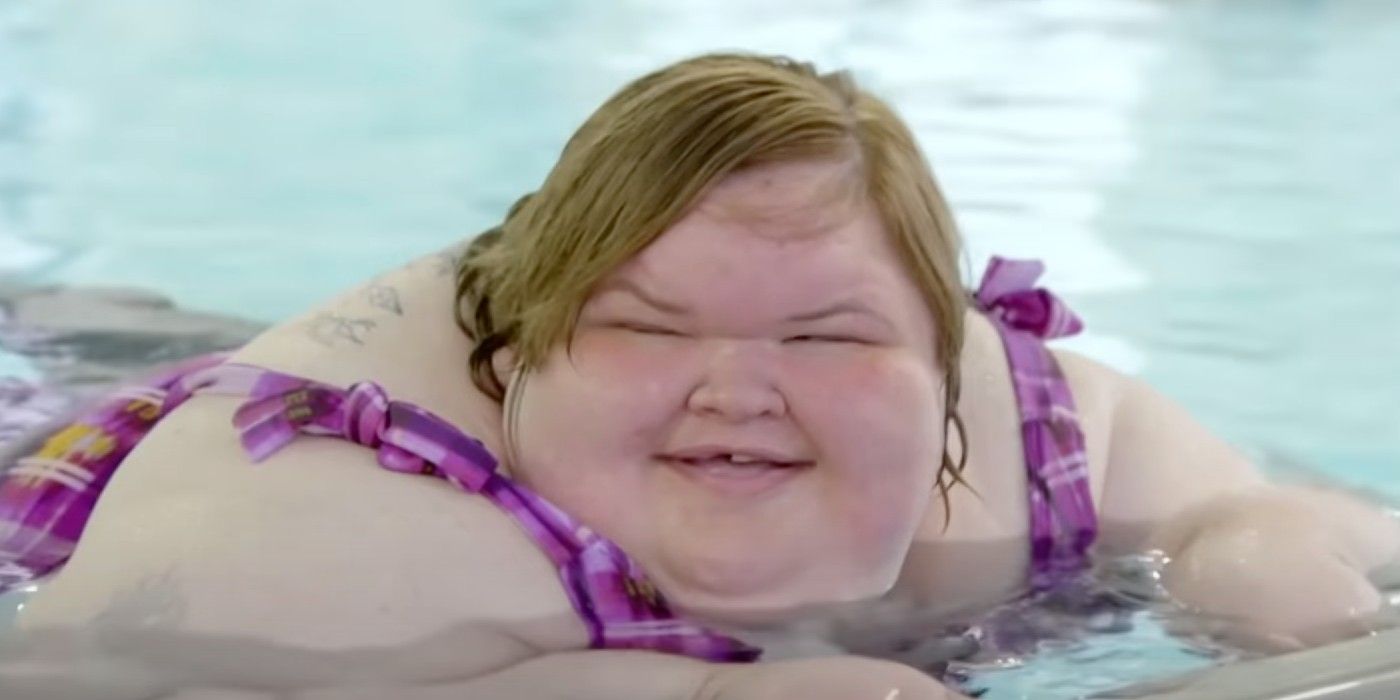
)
(47, 497)
(618, 604)
(1063, 523)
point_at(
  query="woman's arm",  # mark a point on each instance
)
(1288, 563)
(180, 667)
(1161, 463)
(638, 675)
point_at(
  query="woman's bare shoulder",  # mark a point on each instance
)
(1097, 389)
(318, 546)
(990, 520)
(990, 409)
(315, 547)
(995, 505)
(397, 329)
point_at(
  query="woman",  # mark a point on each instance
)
(725, 381)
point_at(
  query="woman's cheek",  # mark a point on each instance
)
(875, 415)
(632, 380)
(885, 384)
(617, 356)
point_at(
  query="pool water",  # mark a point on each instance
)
(1215, 186)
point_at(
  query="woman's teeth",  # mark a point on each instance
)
(740, 459)
(723, 464)
(738, 475)
(732, 460)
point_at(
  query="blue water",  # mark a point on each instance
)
(1214, 185)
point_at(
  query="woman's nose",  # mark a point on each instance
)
(737, 384)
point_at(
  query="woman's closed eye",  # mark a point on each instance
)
(827, 338)
(645, 328)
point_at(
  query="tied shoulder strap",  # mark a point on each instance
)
(610, 591)
(1063, 523)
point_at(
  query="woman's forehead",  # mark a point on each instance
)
(785, 200)
(802, 217)
(784, 269)
(822, 240)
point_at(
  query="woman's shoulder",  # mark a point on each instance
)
(315, 547)
(985, 526)
(996, 458)
(397, 330)
(318, 546)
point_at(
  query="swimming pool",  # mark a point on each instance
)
(1213, 184)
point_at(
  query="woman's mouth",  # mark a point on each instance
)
(736, 474)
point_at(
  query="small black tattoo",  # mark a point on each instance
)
(330, 329)
(446, 261)
(382, 296)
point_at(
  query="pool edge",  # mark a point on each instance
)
(1368, 667)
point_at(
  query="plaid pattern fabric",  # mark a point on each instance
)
(47, 496)
(620, 606)
(1063, 523)
(26, 408)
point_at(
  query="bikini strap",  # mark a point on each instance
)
(610, 591)
(1063, 523)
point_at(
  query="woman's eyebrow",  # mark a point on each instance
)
(646, 297)
(848, 306)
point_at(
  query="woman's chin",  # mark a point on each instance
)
(760, 607)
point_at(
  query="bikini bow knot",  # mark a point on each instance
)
(1008, 294)
(361, 414)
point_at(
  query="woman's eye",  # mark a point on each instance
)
(819, 338)
(646, 329)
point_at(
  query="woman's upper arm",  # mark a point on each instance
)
(1161, 462)
(1149, 459)
(316, 547)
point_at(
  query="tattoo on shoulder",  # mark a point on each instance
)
(384, 298)
(333, 329)
(445, 264)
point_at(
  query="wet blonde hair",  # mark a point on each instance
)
(639, 163)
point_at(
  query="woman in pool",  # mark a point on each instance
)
(725, 344)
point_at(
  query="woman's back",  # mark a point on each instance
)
(318, 546)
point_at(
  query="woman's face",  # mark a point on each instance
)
(752, 406)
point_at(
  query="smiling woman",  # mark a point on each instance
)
(767, 345)
(719, 381)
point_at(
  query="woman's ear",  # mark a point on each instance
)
(503, 365)
(513, 379)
